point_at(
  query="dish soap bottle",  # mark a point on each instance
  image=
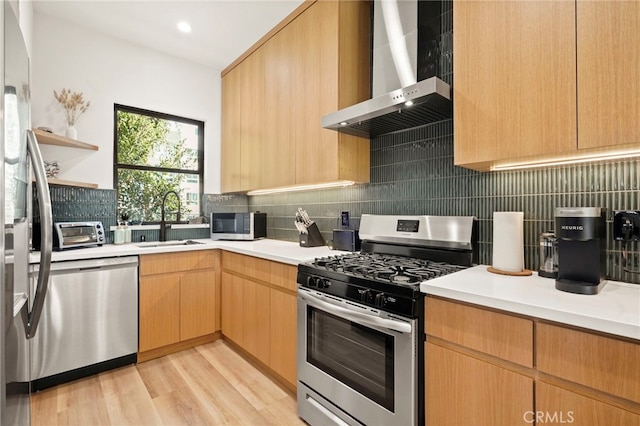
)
(126, 229)
(118, 234)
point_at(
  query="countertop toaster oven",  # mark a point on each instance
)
(77, 234)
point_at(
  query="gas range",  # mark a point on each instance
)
(361, 319)
(398, 253)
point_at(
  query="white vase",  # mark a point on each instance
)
(71, 132)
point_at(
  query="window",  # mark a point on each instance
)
(156, 153)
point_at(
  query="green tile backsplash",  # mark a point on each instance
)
(412, 172)
(72, 204)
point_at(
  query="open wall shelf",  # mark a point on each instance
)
(46, 138)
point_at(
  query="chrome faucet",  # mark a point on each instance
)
(163, 225)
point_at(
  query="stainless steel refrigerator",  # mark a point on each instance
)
(22, 161)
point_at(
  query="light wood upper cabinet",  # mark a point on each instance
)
(252, 121)
(315, 64)
(551, 79)
(280, 108)
(514, 80)
(336, 67)
(231, 125)
(608, 73)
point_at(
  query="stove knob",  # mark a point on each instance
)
(312, 281)
(365, 295)
(381, 300)
(323, 283)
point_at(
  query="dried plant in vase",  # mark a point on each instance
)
(74, 105)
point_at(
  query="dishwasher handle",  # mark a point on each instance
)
(46, 228)
(89, 265)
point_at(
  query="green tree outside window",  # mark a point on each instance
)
(157, 153)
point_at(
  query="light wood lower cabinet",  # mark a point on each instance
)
(462, 390)
(232, 309)
(256, 310)
(178, 300)
(592, 360)
(259, 311)
(197, 304)
(555, 405)
(159, 312)
(465, 388)
(488, 367)
(282, 336)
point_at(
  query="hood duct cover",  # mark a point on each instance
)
(405, 49)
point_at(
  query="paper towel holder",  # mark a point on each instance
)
(508, 234)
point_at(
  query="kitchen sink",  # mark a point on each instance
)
(152, 244)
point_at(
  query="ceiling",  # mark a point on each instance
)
(222, 29)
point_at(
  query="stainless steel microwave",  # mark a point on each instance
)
(238, 226)
(77, 234)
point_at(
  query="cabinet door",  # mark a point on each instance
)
(515, 80)
(279, 147)
(316, 70)
(608, 64)
(231, 125)
(461, 390)
(589, 359)
(252, 120)
(231, 307)
(255, 319)
(555, 405)
(283, 335)
(159, 311)
(197, 304)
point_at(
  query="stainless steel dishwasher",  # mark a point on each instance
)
(90, 320)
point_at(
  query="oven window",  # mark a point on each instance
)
(356, 355)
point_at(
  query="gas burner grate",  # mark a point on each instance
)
(398, 270)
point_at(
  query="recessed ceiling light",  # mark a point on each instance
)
(185, 27)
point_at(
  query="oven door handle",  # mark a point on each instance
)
(399, 326)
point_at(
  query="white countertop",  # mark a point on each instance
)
(615, 310)
(279, 251)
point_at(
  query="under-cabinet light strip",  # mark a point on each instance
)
(563, 161)
(341, 183)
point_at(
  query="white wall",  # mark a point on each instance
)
(107, 71)
(26, 23)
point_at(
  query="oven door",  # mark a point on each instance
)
(356, 365)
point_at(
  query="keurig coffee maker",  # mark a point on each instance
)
(581, 233)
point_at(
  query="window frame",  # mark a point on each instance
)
(169, 117)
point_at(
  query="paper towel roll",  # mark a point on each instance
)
(508, 241)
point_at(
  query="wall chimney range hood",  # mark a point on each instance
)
(406, 91)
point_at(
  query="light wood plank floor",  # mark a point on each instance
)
(207, 385)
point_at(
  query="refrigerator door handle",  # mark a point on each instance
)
(46, 228)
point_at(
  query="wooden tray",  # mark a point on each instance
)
(523, 273)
